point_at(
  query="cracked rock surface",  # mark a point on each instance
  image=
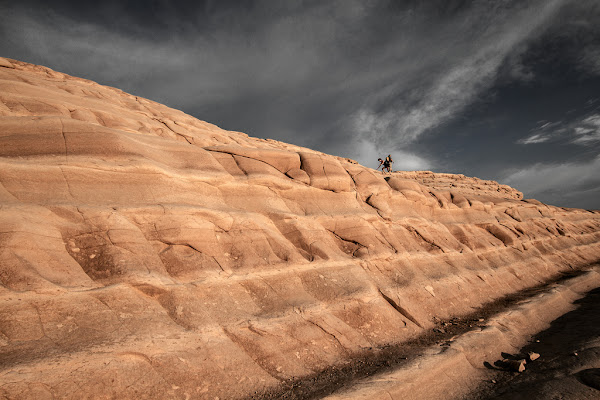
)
(148, 254)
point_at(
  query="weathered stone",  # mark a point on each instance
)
(147, 251)
(515, 365)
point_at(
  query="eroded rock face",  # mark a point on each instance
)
(145, 253)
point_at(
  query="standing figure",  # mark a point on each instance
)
(389, 162)
(386, 166)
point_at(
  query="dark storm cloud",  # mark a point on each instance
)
(347, 77)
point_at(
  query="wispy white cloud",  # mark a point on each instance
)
(584, 130)
(466, 72)
(535, 138)
(544, 132)
(588, 130)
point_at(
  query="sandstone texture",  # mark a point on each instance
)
(148, 254)
(457, 369)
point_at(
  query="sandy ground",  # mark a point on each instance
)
(569, 366)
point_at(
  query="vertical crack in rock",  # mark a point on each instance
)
(113, 311)
(253, 351)
(238, 165)
(440, 202)
(262, 278)
(66, 182)
(62, 131)
(325, 173)
(107, 234)
(169, 128)
(497, 232)
(387, 242)
(257, 331)
(39, 315)
(352, 177)
(218, 263)
(360, 245)
(512, 230)
(391, 246)
(513, 214)
(81, 213)
(419, 235)
(327, 333)
(400, 309)
(377, 209)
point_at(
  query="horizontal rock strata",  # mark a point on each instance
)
(147, 254)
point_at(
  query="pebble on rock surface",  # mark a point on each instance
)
(515, 365)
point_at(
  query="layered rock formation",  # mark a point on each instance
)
(147, 254)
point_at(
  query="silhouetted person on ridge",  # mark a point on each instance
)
(389, 162)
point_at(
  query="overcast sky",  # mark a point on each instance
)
(498, 89)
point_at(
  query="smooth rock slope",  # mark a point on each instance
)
(147, 254)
